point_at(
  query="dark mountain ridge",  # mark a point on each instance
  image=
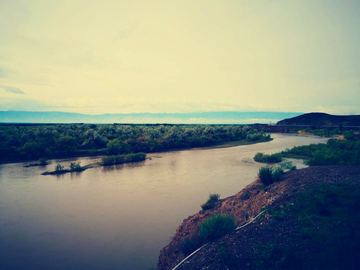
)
(321, 119)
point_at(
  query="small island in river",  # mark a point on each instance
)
(105, 161)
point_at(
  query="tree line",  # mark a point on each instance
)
(18, 142)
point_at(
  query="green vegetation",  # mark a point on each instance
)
(277, 173)
(216, 227)
(111, 160)
(270, 256)
(328, 132)
(211, 229)
(288, 165)
(75, 167)
(270, 175)
(325, 231)
(59, 167)
(42, 162)
(29, 142)
(274, 158)
(225, 254)
(189, 245)
(119, 159)
(210, 204)
(334, 152)
(265, 175)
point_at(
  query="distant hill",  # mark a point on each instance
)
(173, 118)
(322, 119)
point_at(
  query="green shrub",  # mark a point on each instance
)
(269, 175)
(274, 158)
(259, 157)
(265, 175)
(349, 136)
(276, 174)
(288, 165)
(210, 203)
(216, 227)
(189, 245)
(59, 167)
(270, 256)
(75, 166)
(225, 254)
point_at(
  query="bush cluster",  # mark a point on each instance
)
(189, 245)
(270, 175)
(288, 165)
(334, 152)
(59, 167)
(211, 229)
(216, 227)
(274, 158)
(210, 203)
(75, 167)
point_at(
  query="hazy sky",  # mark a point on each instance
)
(180, 56)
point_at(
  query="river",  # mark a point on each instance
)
(116, 217)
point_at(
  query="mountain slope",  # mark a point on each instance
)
(322, 119)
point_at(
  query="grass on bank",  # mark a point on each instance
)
(210, 229)
(325, 231)
(216, 227)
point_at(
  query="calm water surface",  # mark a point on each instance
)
(116, 217)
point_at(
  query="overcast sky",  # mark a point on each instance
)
(180, 56)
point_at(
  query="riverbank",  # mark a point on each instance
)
(214, 146)
(64, 141)
(276, 238)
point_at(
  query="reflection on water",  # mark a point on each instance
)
(121, 166)
(115, 217)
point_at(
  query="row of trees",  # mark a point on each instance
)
(19, 142)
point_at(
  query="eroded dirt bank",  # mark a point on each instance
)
(245, 205)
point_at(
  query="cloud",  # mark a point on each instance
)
(11, 89)
(2, 73)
